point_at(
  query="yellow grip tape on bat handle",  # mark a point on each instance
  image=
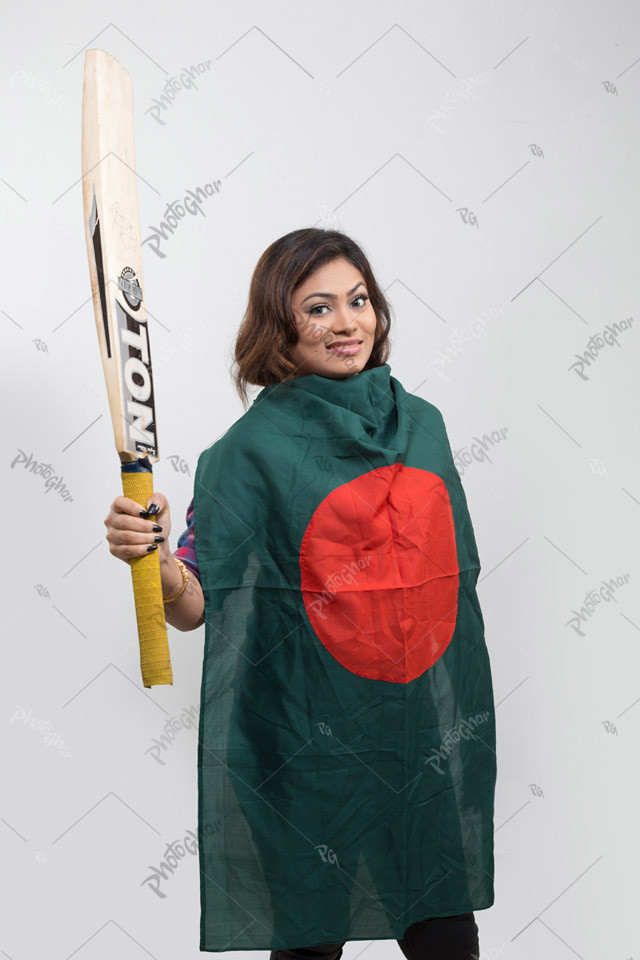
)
(155, 661)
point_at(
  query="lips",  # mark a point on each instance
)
(346, 348)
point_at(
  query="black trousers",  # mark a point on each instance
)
(439, 938)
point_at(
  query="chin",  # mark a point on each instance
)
(330, 365)
(345, 367)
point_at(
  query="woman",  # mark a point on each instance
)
(346, 750)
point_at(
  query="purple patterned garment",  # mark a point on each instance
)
(186, 550)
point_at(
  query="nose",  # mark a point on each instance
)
(344, 322)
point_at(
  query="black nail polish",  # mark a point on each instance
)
(157, 528)
(159, 539)
(152, 546)
(153, 509)
(143, 513)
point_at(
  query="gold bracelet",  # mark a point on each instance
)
(185, 580)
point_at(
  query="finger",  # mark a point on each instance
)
(127, 551)
(133, 537)
(127, 506)
(157, 505)
(131, 508)
(124, 521)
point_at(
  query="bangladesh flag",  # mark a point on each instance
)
(346, 754)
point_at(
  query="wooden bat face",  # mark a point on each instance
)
(112, 232)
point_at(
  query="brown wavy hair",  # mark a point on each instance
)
(268, 328)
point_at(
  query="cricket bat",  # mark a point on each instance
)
(112, 229)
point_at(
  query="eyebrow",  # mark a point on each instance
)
(334, 296)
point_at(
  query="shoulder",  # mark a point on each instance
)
(424, 409)
(241, 454)
(253, 435)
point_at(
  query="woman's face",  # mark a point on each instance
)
(332, 306)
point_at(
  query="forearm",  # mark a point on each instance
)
(187, 612)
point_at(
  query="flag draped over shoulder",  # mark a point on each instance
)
(346, 754)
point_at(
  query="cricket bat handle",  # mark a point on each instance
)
(155, 661)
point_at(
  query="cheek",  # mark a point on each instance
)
(306, 343)
(304, 331)
(371, 322)
(312, 335)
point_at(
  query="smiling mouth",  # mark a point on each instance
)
(347, 347)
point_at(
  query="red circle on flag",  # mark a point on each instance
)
(379, 572)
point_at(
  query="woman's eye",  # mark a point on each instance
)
(320, 306)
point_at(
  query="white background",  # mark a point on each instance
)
(486, 156)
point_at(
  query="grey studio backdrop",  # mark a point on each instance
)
(486, 157)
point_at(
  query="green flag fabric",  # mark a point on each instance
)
(346, 747)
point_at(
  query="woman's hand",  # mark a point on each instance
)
(130, 535)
